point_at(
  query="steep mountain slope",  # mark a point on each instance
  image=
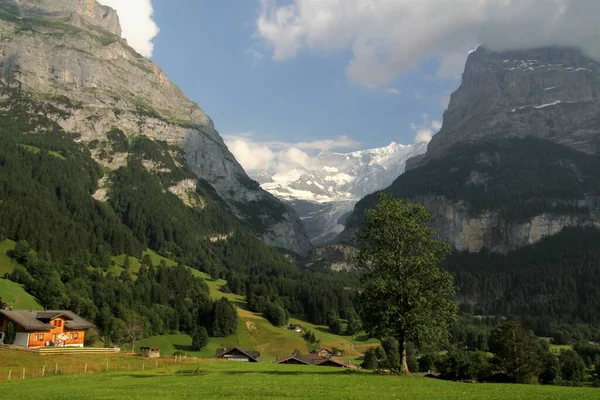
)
(486, 189)
(69, 54)
(326, 189)
(549, 93)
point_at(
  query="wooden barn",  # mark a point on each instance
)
(151, 352)
(315, 359)
(237, 354)
(297, 359)
(45, 328)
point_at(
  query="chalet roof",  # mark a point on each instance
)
(338, 362)
(314, 359)
(300, 358)
(221, 352)
(37, 320)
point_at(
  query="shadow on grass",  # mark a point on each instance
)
(183, 347)
(324, 330)
(284, 373)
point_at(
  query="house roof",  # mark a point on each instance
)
(314, 359)
(221, 352)
(338, 362)
(37, 320)
(298, 357)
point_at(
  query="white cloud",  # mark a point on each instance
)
(136, 23)
(425, 131)
(392, 90)
(388, 37)
(249, 154)
(281, 156)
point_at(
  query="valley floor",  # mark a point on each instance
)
(230, 380)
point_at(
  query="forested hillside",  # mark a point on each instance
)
(552, 282)
(67, 239)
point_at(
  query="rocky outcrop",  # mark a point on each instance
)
(490, 230)
(336, 257)
(69, 52)
(550, 93)
(79, 13)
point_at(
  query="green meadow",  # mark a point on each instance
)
(231, 380)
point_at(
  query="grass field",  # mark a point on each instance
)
(230, 380)
(14, 294)
(16, 360)
(6, 264)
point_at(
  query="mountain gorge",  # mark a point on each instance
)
(69, 54)
(325, 189)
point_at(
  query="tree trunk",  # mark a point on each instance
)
(403, 362)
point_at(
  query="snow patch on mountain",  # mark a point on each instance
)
(326, 189)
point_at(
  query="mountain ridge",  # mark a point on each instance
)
(79, 57)
(326, 188)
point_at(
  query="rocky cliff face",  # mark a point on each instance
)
(70, 53)
(336, 257)
(550, 93)
(486, 188)
(455, 223)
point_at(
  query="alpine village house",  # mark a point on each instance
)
(45, 328)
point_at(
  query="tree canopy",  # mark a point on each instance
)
(404, 292)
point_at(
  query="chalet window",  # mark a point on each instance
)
(38, 337)
(74, 335)
(58, 322)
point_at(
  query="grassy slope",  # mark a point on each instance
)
(255, 332)
(6, 264)
(14, 294)
(227, 380)
(11, 292)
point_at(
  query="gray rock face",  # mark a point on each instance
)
(71, 48)
(76, 12)
(550, 93)
(465, 232)
(337, 257)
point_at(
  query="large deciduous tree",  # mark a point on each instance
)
(405, 294)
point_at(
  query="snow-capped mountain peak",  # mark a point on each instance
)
(329, 184)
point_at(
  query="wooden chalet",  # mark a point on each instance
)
(336, 362)
(323, 353)
(45, 328)
(151, 352)
(237, 354)
(314, 359)
(297, 359)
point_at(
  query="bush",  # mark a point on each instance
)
(370, 361)
(275, 314)
(461, 364)
(572, 366)
(200, 339)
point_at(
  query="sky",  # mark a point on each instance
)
(284, 80)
